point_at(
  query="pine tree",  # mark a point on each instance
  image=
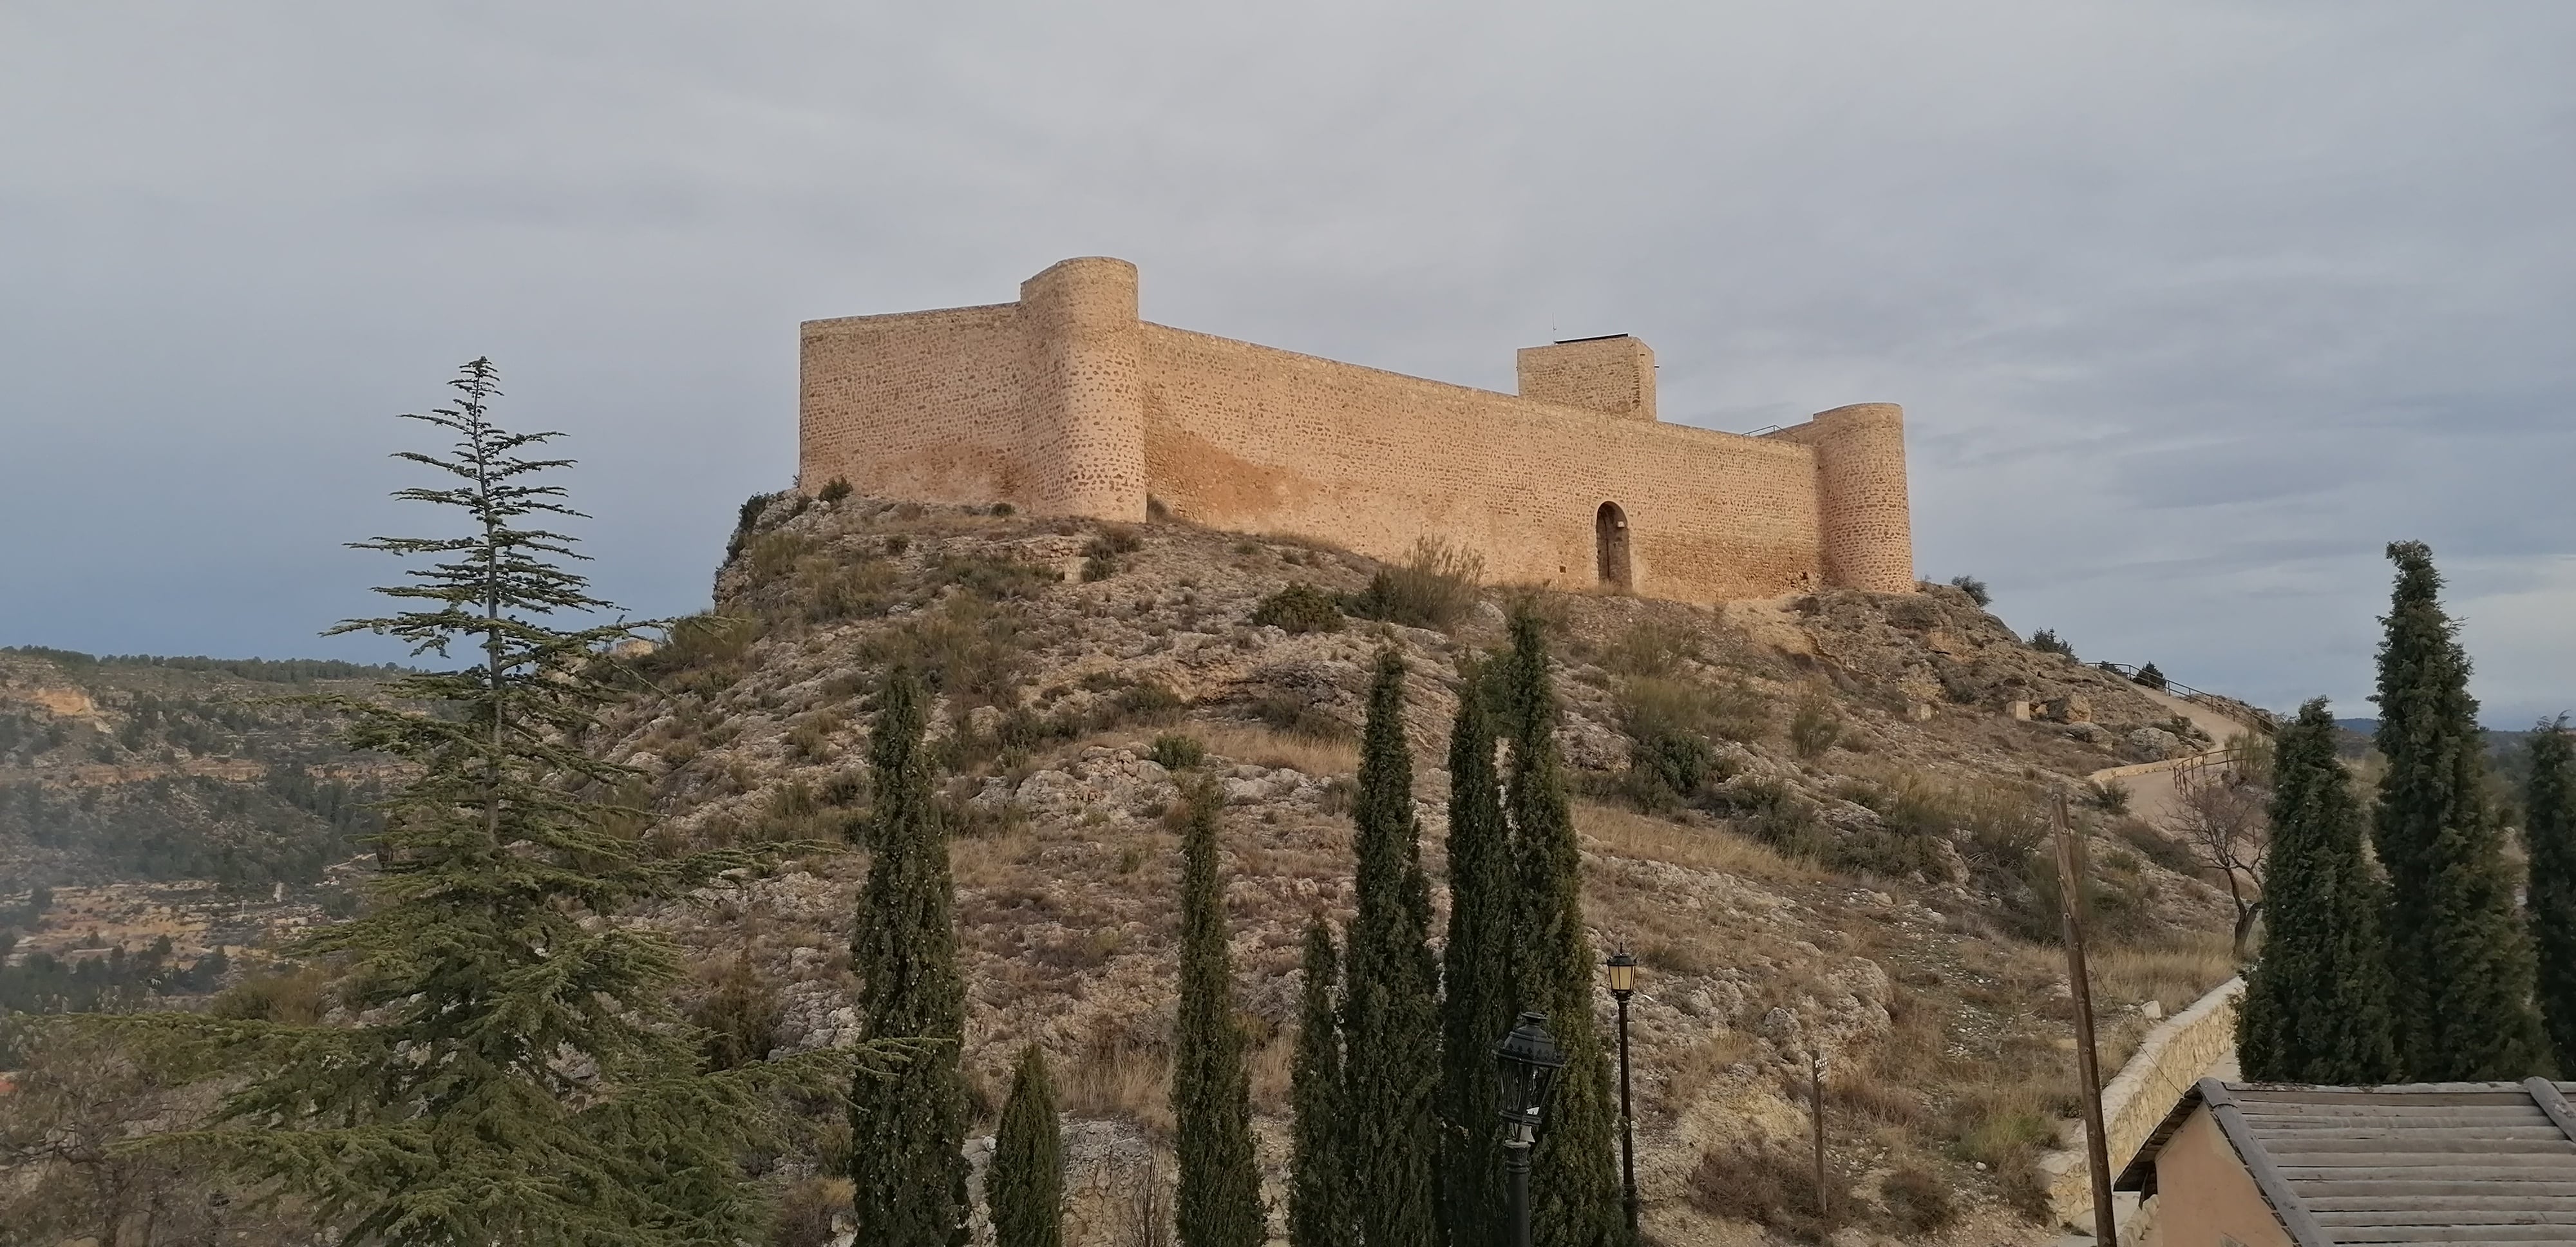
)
(909, 1168)
(2316, 1005)
(2549, 838)
(1320, 1212)
(517, 1073)
(2460, 957)
(1391, 1010)
(1026, 1186)
(1476, 1005)
(1574, 1184)
(1219, 1201)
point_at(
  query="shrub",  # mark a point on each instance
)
(993, 579)
(744, 522)
(295, 998)
(1176, 752)
(2046, 641)
(1815, 727)
(1773, 1186)
(2150, 677)
(1917, 1201)
(1098, 563)
(1295, 716)
(837, 490)
(1434, 587)
(1002, 508)
(967, 649)
(1974, 588)
(805, 1210)
(740, 1017)
(1299, 608)
(2109, 796)
(1650, 647)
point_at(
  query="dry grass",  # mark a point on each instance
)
(1121, 1082)
(2173, 972)
(1623, 833)
(1260, 746)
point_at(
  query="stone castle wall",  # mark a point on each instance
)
(1067, 403)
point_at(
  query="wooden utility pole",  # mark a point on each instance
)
(2079, 982)
(1816, 1109)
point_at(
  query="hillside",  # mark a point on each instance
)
(1815, 820)
(170, 797)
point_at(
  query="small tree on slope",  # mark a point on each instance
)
(1574, 1182)
(520, 1075)
(1319, 1179)
(1391, 1009)
(2460, 957)
(2316, 1005)
(908, 1164)
(2549, 836)
(1476, 1002)
(1026, 1186)
(1219, 1201)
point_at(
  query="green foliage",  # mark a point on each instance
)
(486, 968)
(2110, 796)
(1320, 1184)
(1816, 727)
(746, 522)
(43, 983)
(2460, 956)
(1295, 716)
(1100, 558)
(1176, 752)
(2046, 641)
(739, 1018)
(965, 648)
(1390, 1012)
(1219, 1202)
(1026, 1187)
(1434, 587)
(1974, 588)
(1575, 1190)
(2149, 677)
(2549, 836)
(910, 1176)
(1669, 723)
(1299, 608)
(838, 489)
(2316, 1005)
(298, 671)
(1477, 1002)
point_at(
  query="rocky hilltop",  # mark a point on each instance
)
(1816, 820)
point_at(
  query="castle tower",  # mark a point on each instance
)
(1863, 515)
(1085, 403)
(1614, 373)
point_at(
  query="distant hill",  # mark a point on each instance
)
(138, 767)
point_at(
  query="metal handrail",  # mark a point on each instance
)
(2252, 716)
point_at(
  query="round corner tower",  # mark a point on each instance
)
(1086, 410)
(1863, 514)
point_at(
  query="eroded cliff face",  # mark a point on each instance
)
(1842, 863)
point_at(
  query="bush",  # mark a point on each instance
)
(1650, 647)
(1917, 1202)
(837, 490)
(993, 579)
(744, 522)
(2109, 796)
(1299, 608)
(1815, 727)
(1974, 588)
(1434, 587)
(740, 1017)
(2149, 677)
(1770, 1185)
(1294, 716)
(2046, 641)
(1176, 752)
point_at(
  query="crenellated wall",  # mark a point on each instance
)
(1067, 403)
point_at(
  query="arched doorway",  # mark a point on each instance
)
(1610, 545)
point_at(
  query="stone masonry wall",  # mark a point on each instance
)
(1247, 437)
(1066, 403)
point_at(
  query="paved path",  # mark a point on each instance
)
(2151, 795)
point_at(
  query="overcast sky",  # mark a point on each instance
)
(2192, 307)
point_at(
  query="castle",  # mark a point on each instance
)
(1066, 403)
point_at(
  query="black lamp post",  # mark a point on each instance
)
(1527, 1061)
(1623, 983)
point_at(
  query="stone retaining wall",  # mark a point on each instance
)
(2173, 1057)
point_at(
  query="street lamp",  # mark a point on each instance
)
(1527, 1061)
(1623, 983)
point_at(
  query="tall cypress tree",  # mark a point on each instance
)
(1574, 1181)
(1320, 1212)
(1476, 1004)
(2460, 957)
(1391, 1012)
(2549, 838)
(909, 1171)
(516, 1071)
(1026, 1186)
(2316, 1005)
(1219, 1202)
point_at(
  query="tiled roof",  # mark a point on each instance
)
(2455, 1163)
